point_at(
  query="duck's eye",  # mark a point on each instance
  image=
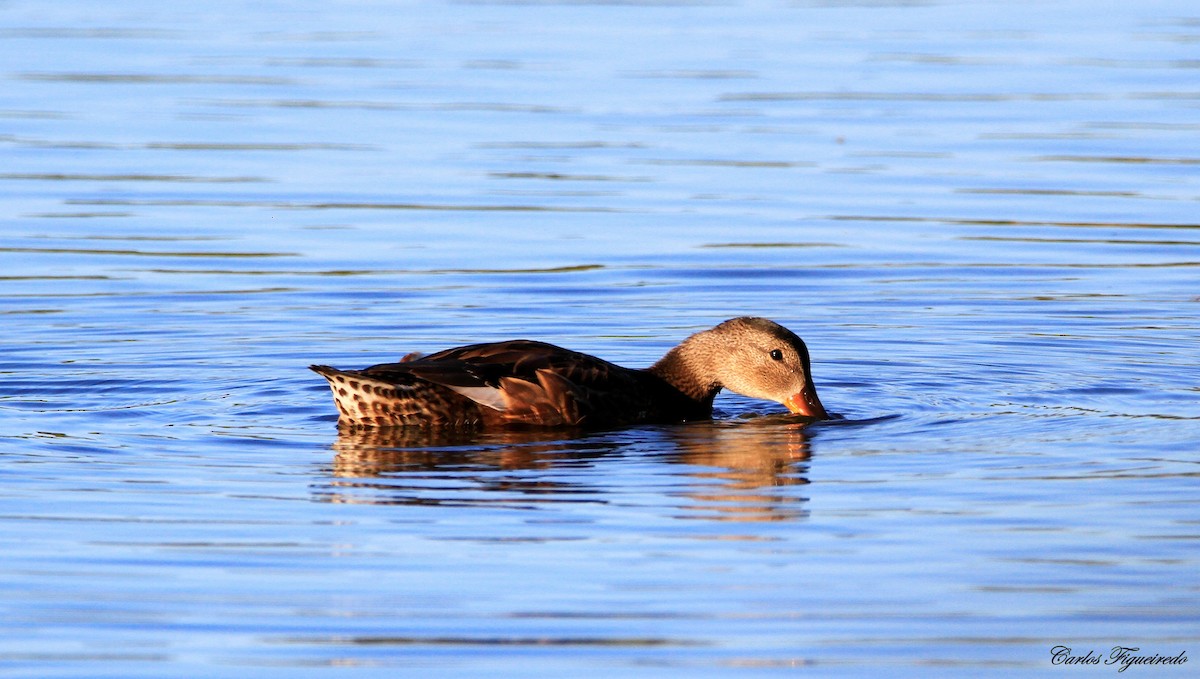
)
(776, 355)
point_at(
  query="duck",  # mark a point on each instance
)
(530, 383)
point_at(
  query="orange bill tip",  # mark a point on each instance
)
(805, 402)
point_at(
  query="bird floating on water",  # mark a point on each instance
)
(523, 382)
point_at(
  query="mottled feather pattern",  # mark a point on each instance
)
(365, 400)
(536, 383)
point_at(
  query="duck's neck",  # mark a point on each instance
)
(690, 368)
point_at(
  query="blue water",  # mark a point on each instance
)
(980, 216)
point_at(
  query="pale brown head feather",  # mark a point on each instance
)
(751, 356)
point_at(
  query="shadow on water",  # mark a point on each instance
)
(741, 470)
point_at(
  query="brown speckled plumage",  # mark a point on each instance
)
(534, 383)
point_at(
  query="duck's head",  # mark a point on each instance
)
(754, 357)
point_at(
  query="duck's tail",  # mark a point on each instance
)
(361, 400)
(366, 401)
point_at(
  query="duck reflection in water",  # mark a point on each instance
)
(750, 467)
(741, 470)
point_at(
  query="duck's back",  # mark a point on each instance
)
(513, 382)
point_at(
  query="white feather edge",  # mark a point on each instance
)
(485, 396)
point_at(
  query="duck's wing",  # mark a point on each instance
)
(522, 381)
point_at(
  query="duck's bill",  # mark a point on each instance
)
(805, 402)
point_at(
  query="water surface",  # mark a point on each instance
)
(980, 216)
